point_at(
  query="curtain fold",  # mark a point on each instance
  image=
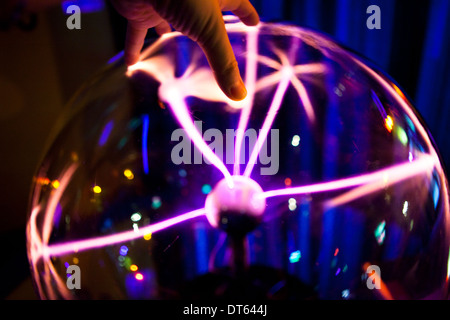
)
(412, 46)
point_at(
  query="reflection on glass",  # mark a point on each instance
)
(350, 178)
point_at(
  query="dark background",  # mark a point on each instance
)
(41, 68)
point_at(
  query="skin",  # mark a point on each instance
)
(200, 20)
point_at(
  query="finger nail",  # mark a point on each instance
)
(238, 91)
(131, 59)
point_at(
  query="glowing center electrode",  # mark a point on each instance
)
(236, 210)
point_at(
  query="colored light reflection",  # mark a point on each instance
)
(42, 181)
(105, 133)
(206, 189)
(295, 141)
(133, 267)
(135, 217)
(345, 293)
(55, 184)
(295, 256)
(336, 252)
(156, 202)
(128, 174)
(380, 232)
(147, 236)
(123, 250)
(402, 136)
(405, 208)
(145, 124)
(139, 276)
(389, 123)
(292, 204)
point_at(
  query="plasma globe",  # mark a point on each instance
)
(358, 181)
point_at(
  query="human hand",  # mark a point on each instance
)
(200, 20)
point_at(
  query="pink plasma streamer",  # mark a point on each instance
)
(273, 110)
(250, 80)
(380, 179)
(181, 112)
(80, 245)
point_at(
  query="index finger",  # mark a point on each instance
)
(220, 55)
(243, 9)
(134, 42)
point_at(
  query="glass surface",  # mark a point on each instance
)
(341, 177)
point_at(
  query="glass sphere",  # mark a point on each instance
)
(323, 183)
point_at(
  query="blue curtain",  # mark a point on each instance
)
(412, 46)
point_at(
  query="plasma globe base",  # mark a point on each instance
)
(157, 186)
